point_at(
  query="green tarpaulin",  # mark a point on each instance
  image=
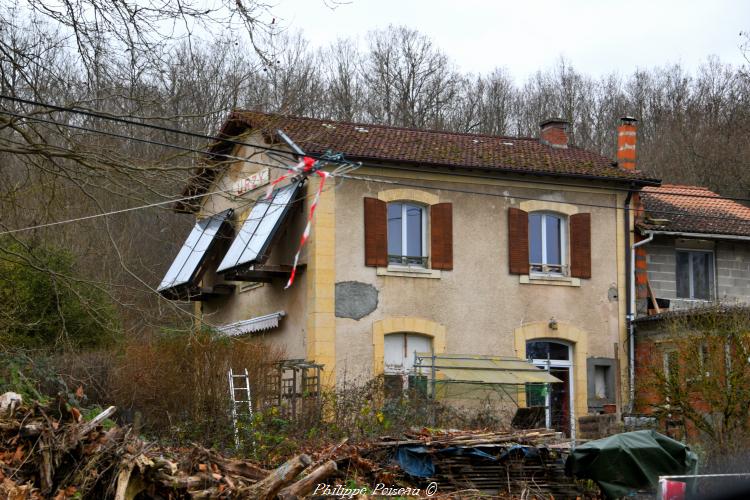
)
(631, 461)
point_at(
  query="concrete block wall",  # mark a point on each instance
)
(732, 271)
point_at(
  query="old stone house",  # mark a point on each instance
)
(450, 243)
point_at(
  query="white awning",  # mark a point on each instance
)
(257, 324)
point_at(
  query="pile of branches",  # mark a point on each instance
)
(50, 451)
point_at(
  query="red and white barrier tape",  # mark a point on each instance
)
(304, 167)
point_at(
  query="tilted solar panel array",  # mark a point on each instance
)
(194, 251)
(255, 236)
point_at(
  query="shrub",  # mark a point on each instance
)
(705, 392)
(177, 381)
(46, 305)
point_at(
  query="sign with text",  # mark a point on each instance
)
(254, 181)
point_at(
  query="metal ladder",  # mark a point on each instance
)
(244, 385)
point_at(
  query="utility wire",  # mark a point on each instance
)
(265, 148)
(344, 176)
(117, 119)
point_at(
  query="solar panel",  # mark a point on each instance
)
(252, 241)
(187, 265)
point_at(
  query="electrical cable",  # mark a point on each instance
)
(348, 176)
(269, 149)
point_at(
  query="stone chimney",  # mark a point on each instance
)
(554, 133)
(626, 141)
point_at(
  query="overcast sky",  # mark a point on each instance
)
(596, 36)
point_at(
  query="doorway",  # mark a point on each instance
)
(557, 399)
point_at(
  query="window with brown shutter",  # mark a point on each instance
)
(518, 241)
(580, 245)
(441, 236)
(376, 237)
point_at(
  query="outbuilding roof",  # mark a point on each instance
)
(676, 208)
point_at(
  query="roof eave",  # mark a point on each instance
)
(505, 170)
(687, 234)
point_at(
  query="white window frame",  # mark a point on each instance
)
(691, 284)
(563, 246)
(405, 204)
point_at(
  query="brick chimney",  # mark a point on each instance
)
(626, 140)
(554, 133)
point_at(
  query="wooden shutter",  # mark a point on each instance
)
(580, 245)
(376, 232)
(441, 236)
(518, 241)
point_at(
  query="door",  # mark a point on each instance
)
(555, 357)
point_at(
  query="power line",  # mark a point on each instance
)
(117, 119)
(347, 176)
(506, 196)
(265, 148)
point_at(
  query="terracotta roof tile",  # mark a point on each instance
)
(431, 148)
(693, 209)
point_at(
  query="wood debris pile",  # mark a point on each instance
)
(52, 452)
(517, 464)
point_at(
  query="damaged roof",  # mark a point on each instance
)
(422, 148)
(676, 208)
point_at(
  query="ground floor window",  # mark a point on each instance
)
(399, 349)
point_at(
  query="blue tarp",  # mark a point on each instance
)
(417, 460)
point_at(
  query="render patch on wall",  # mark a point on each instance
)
(355, 300)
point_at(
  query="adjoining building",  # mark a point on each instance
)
(692, 261)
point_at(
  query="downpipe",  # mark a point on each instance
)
(631, 318)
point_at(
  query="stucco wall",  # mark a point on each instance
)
(478, 307)
(732, 269)
(479, 302)
(268, 298)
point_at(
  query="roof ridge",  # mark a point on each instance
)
(395, 127)
(684, 186)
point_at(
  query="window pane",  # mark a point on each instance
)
(553, 240)
(413, 231)
(535, 238)
(542, 349)
(394, 229)
(701, 279)
(558, 351)
(683, 275)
